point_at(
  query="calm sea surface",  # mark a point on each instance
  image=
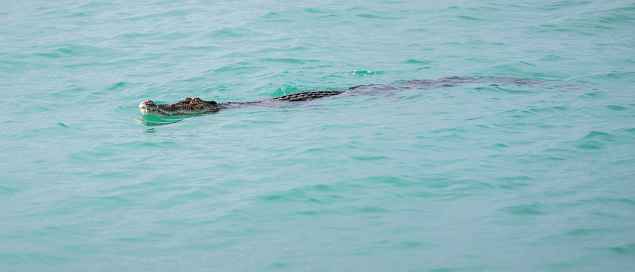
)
(476, 177)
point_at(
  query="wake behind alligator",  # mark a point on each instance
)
(197, 106)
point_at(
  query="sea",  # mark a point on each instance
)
(483, 176)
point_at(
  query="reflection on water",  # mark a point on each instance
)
(149, 120)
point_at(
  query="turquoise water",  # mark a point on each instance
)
(476, 177)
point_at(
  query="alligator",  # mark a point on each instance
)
(197, 106)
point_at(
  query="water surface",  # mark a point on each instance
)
(475, 177)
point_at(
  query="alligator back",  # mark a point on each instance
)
(196, 106)
(307, 96)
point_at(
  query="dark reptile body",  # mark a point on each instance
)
(189, 106)
(308, 96)
(194, 106)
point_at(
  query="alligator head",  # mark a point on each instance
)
(187, 106)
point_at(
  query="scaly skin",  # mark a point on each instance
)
(189, 106)
(196, 106)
